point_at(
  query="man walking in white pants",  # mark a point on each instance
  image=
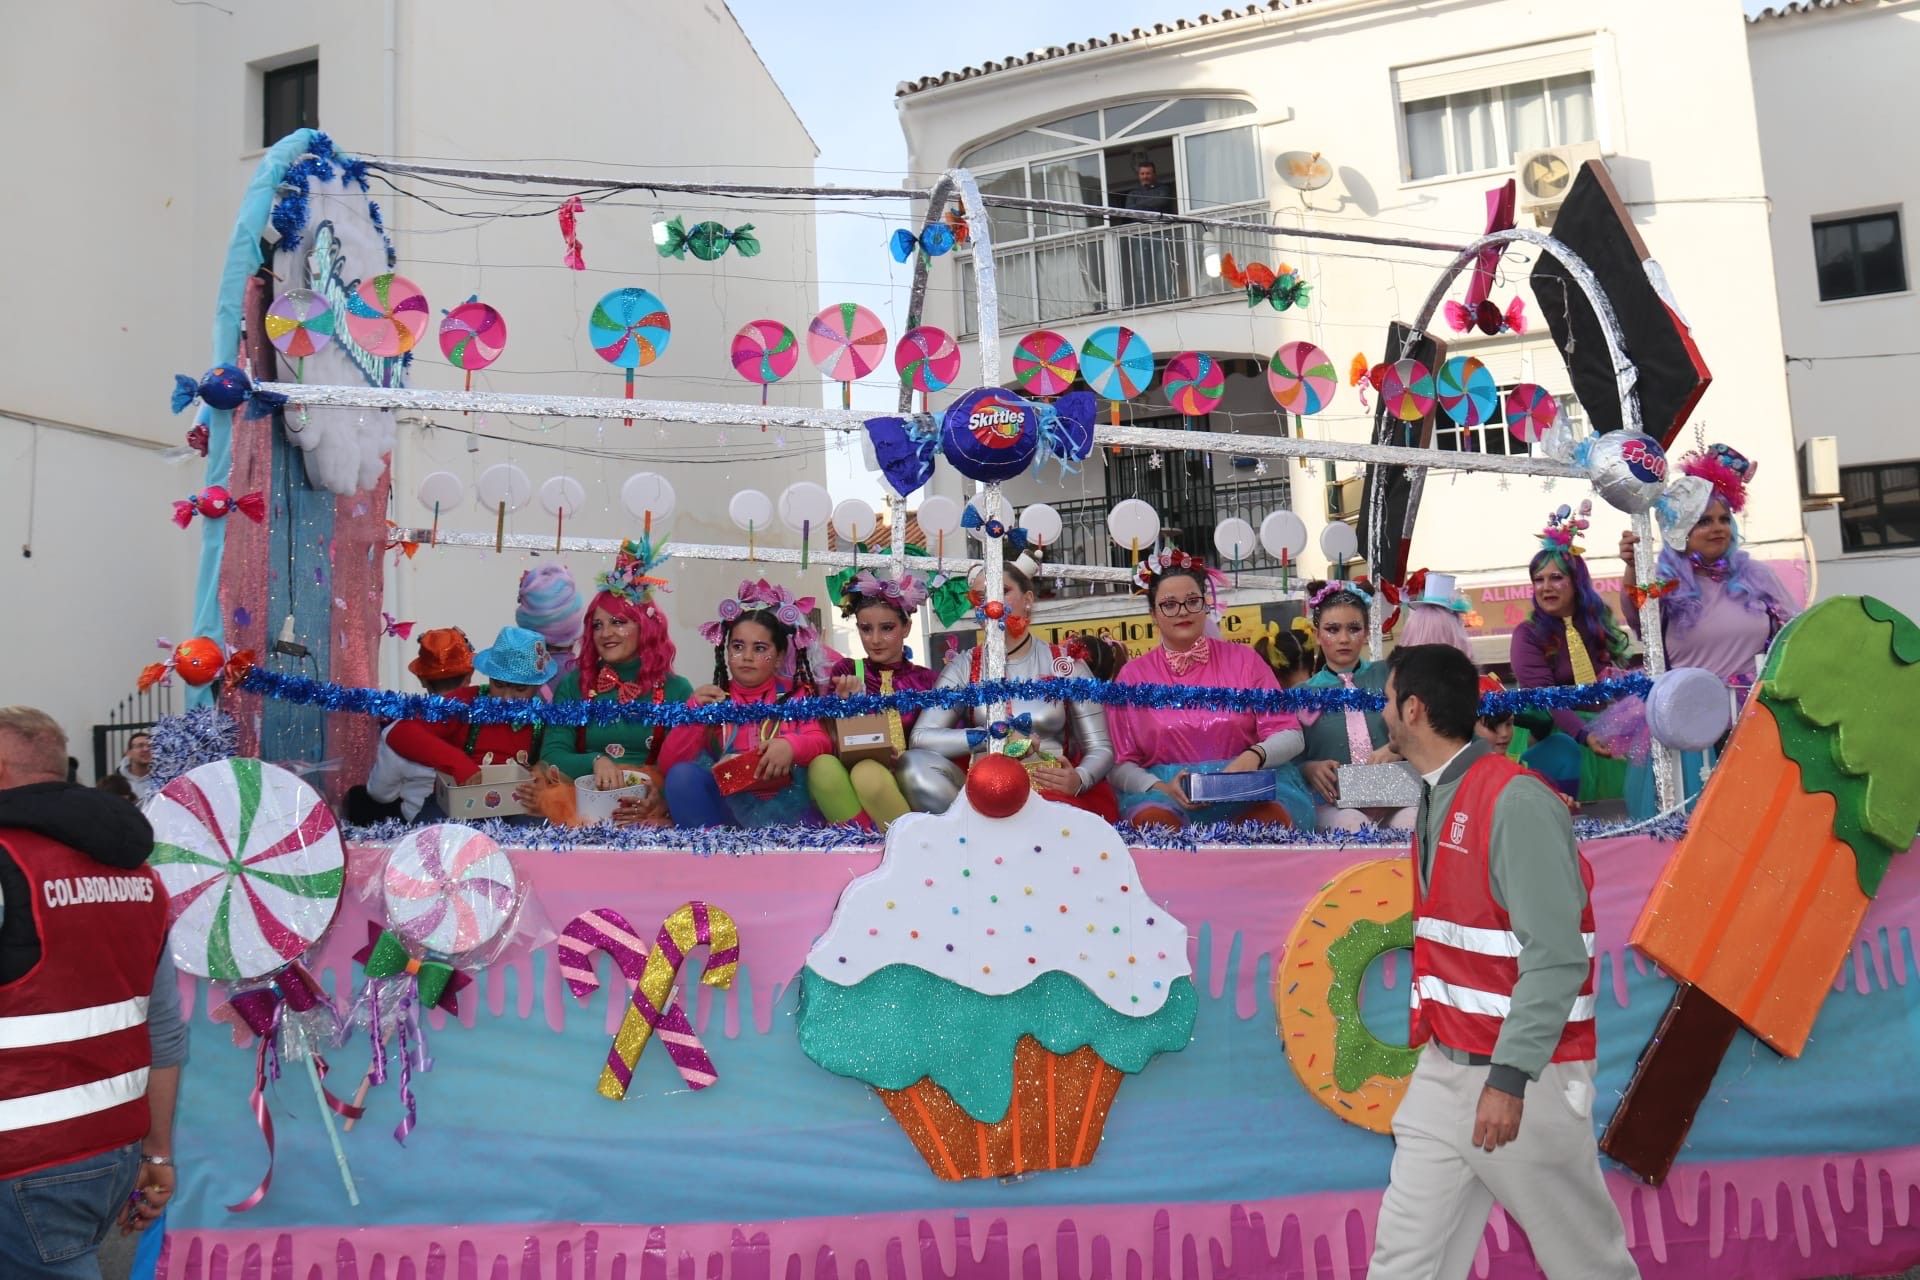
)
(1500, 1106)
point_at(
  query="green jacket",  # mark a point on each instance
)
(572, 750)
(1327, 736)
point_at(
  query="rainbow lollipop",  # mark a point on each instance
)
(846, 342)
(1194, 383)
(1118, 364)
(928, 360)
(630, 328)
(299, 323)
(1406, 388)
(1044, 363)
(386, 315)
(472, 337)
(1467, 391)
(1531, 410)
(764, 351)
(1302, 378)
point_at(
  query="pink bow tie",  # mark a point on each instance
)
(1182, 663)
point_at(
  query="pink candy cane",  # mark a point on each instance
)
(607, 930)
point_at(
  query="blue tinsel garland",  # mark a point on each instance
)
(184, 742)
(418, 706)
(322, 163)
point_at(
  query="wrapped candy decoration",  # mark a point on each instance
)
(1628, 468)
(225, 386)
(990, 434)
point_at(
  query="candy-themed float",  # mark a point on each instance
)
(1007, 1043)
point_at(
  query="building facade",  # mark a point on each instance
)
(126, 255)
(1411, 113)
(1843, 249)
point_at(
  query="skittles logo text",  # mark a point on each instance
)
(1644, 459)
(997, 423)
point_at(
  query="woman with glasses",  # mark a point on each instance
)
(1158, 749)
(1335, 738)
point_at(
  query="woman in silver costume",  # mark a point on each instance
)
(1066, 752)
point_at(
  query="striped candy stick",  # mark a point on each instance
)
(693, 924)
(609, 931)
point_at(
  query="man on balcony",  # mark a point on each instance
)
(1146, 250)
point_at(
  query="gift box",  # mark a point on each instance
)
(491, 797)
(1231, 788)
(1379, 786)
(736, 773)
(857, 738)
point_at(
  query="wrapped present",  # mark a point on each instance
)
(1231, 788)
(1379, 786)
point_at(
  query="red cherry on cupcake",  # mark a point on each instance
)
(998, 786)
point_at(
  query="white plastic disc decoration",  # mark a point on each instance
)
(504, 483)
(448, 890)
(1042, 523)
(1233, 538)
(649, 496)
(441, 489)
(854, 521)
(1284, 535)
(1133, 524)
(251, 858)
(1339, 542)
(938, 516)
(805, 505)
(750, 510)
(1688, 709)
(562, 496)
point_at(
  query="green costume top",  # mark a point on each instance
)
(572, 750)
(1327, 735)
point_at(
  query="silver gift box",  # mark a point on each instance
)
(1379, 786)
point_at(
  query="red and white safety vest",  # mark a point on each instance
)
(74, 1052)
(1466, 958)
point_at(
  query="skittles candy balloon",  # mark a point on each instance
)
(990, 434)
(1628, 468)
(198, 660)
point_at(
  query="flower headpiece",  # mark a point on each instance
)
(1725, 468)
(761, 596)
(1564, 526)
(1332, 590)
(631, 577)
(868, 587)
(1170, 560)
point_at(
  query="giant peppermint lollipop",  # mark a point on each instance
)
(448, 890)
(472, 336)
(251, 858)
(1195, 383)
(1468, 393)
(299, 323)
(630, 328)
(927, 360)
(1118, 364)
(1044, 363)
(846, 342)
(1302, 378)
(764, 351)
(386, 315)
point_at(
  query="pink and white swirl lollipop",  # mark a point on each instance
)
(448, 890)
(1531, 410)
(472, 336)
(387, 315)
(1302, 378)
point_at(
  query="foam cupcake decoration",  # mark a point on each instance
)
(995, 979)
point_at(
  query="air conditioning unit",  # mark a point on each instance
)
(1544, 176)
(1819, 472)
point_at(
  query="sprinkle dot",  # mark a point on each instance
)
(1116, 928)
(1064, 832)
(1163, 955)
(929, 882)
(1104, 855)
(1083, 955)
(998, 861)
(963, 839)
(843, 959)
(1063, 908)
(1076, 871)
(989, 933)
(1028, 928)
(964, 873)
(1135, 999)
(1089, 928)
(1029, 890)
(1149, 919)
(873, 933)
(949, 946)
(993, 897)
(913, 933)
(1036, 848)
(1156, 984)
(889, 906)
(986, 968)
(956, 911)
(1112, 974)
(1032, 960)
(1123, 888)
(1130, 960)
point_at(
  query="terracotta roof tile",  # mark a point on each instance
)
(1798, 7)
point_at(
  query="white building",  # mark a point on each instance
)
(1844, 188)
(118, 222)
(1419, 109)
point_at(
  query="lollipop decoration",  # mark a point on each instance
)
(1531, 411)
(472, 336)
(630, 328)
(504, 487)
(1407, 388)
(438, 491)
(707, 241)
(803, 506)
(386, 315)
(1467, 391)
(562, 496)
(750, 510)
(299, 323)
(927, 360)
(1195, 384)
(1044, 363)
(846, 342)
(1118, 364)
(448, 891)
(1302, 378)
(764, 351)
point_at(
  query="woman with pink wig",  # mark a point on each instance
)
(1436, 612)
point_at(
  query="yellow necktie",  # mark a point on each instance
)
(896, 731)
(1577, 654)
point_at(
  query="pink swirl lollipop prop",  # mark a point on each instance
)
(299, 323)
(1194, 383)
(1302, 378)
(1407, 390)
(1044, 363)
(387, 315)
(448, 890)
(472, 336)
(927, 359)
(1467, 391)
(764, 351)
(1531, 410)
(846, 342)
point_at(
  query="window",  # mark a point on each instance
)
(290, 100)
(1880, 506)
(1476, 130)
(1858, 257)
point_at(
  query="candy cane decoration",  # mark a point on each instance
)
(656, 1004)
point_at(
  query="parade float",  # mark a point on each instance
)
(1010, 1040)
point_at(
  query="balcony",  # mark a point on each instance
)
(1111, 270)
(1190, 505)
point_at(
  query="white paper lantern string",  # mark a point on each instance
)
(939, 517)
(1133, 524)
(1284, 535)
(650, 497)
(854, 520)
(503, 487)
(1043, 525)
(805, 506)
(440, 491)
(1233, 538)
(562, 496)
(750, 510)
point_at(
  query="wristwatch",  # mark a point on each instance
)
(165, 1162)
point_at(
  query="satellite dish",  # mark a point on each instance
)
(1304, 170)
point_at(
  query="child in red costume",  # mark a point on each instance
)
(516, 666)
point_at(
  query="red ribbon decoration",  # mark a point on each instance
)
(569, 223)
(1499, 218)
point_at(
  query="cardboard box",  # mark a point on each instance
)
(491, 797)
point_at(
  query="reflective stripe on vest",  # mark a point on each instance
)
(72, 1103)
(1486, 1004)
(30, 1029)
(1485, 942)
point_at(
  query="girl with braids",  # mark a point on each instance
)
(1339, 612)
(760, 644)
(882, 609)
(1157, 747)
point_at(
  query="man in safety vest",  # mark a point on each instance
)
(82, 926)
(1502, 1001)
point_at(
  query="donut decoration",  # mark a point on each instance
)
(1044, 364)
(1302, 378)
(1362, 914)
(386, 315)
(448, 890)
(1467, 391)
(1531, 410)
(253, 867)
(1407, 390)
(1195, 383)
